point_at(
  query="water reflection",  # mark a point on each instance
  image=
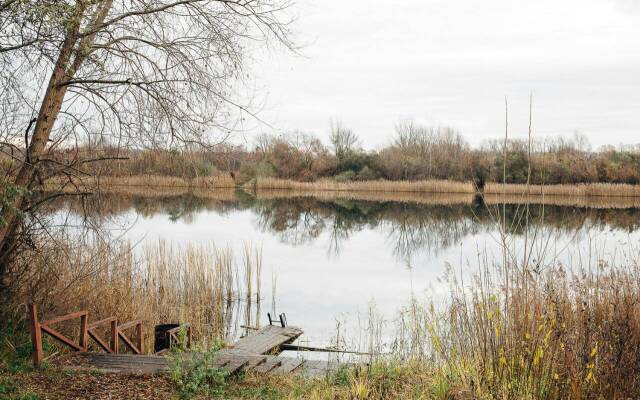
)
(409, 226)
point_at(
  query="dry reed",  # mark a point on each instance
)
(144, 181)
(403, 197)
(158, 283)
(426, 186)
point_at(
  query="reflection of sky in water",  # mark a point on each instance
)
(329, 277)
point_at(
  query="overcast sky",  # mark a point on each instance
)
(452, 62)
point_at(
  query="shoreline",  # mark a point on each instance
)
(381, 186)
(596, 195)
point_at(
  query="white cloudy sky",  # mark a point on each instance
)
(452, 62)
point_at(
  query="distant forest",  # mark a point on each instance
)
(414, 153)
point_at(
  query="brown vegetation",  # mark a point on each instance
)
(157, 283)
(519, 331)
(374, 196)
(416, 153)
(369, 186)
(577, 190)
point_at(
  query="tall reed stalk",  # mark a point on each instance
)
(158, 283)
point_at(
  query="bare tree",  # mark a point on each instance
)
(343, 140)
(129, 73)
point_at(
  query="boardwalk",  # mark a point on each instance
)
(251, 353)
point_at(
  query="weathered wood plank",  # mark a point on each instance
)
(254, 362)
(288, 365)
(271, 363)
(123, 357)
(235, 364)
(267, 339)
(250, 353)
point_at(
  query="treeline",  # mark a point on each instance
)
(414, 153)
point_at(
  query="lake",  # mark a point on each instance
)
(332, 258)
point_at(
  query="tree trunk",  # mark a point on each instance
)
(73, 52)
(49, 110)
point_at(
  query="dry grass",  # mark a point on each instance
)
(429, 186)
(156, 185)
(145, 181)
(217, 188)
(522, 330)
(158, 283)
(582, 190)
(403, 197)
(517, 330)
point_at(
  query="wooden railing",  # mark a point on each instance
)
(87, 331)
(136, 348)
(37, 328)
(112, 347)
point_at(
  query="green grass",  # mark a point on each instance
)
(193, 374)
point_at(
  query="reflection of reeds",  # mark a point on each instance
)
(590, 189)
(426, 186)
(600, 202)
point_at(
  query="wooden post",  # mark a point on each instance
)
(114, 336)
(189, 337)
(84, 334)
(139, 334)
(36, 336)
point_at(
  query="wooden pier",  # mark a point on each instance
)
(256, 352)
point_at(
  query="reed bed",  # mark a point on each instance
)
(325, 185)
(158, 283)
(401, 197)
(583, 190)
(520, 332)
(220, 194)
(598, 202)
(144, 181)
(219, 189)
(156, 185)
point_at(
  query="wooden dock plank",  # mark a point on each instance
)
(271, 363)
(267, 339)
(288, 365)
(233, 362)
(254, 362)
(250, 353)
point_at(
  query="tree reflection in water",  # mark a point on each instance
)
(410, 227)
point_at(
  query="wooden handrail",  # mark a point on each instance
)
(113, 337)
(64, 317)
(130, 324)
(38, 327)
(102, 322)
(136, 348)
(87, 332)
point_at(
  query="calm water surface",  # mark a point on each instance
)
(333, 259)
